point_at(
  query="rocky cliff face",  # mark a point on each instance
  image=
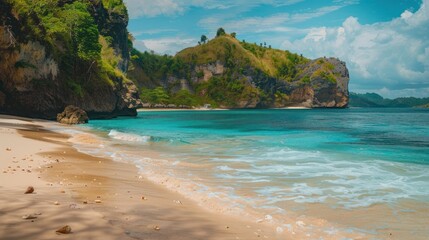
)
(38, 79)
(321, 92)
(317, 92)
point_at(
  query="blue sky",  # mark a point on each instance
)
(385, 43)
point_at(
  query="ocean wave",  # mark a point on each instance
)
(129, 137)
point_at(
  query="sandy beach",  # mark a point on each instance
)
(98, 198)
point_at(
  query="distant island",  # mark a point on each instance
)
(375, 100)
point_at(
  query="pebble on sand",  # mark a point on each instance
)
(29, 190)
(97, 201)
(64, 230)
(8, 149)
(156, 228)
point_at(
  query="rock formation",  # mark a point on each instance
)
(72, 115)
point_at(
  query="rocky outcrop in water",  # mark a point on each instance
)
(72, 115)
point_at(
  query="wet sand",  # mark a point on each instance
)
(98, 198)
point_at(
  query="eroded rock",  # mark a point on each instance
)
(72, 115)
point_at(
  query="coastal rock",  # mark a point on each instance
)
(72, 115)
(29, 190)
(207, 71)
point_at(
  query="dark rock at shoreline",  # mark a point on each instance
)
(72, 115)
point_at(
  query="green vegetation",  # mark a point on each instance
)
(220, 32)
(157, 95)
(274, 62)
(156, 67)
(115, 6)
(325, 71)
(72, 24)
(82, 29)
(69, 31)
(160, 96)
(203, 39)
(185, 98)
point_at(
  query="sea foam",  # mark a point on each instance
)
(129, 137)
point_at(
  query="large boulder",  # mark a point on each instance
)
(72, 115)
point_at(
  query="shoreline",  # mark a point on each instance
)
(131, 207)
(214, 109)
(179, 109)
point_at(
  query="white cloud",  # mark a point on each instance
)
(273, 23)
(165, 45)
(140, 45)
(316, 34)
(154, 31)
(390, 55)
(152, 8)
(250, 24)
(301, 17)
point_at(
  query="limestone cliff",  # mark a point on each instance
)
(48, 63)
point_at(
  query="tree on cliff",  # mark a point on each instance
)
(83, 31)
(220, 32)
(203, 38)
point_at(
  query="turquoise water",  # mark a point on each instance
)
(278, 161)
